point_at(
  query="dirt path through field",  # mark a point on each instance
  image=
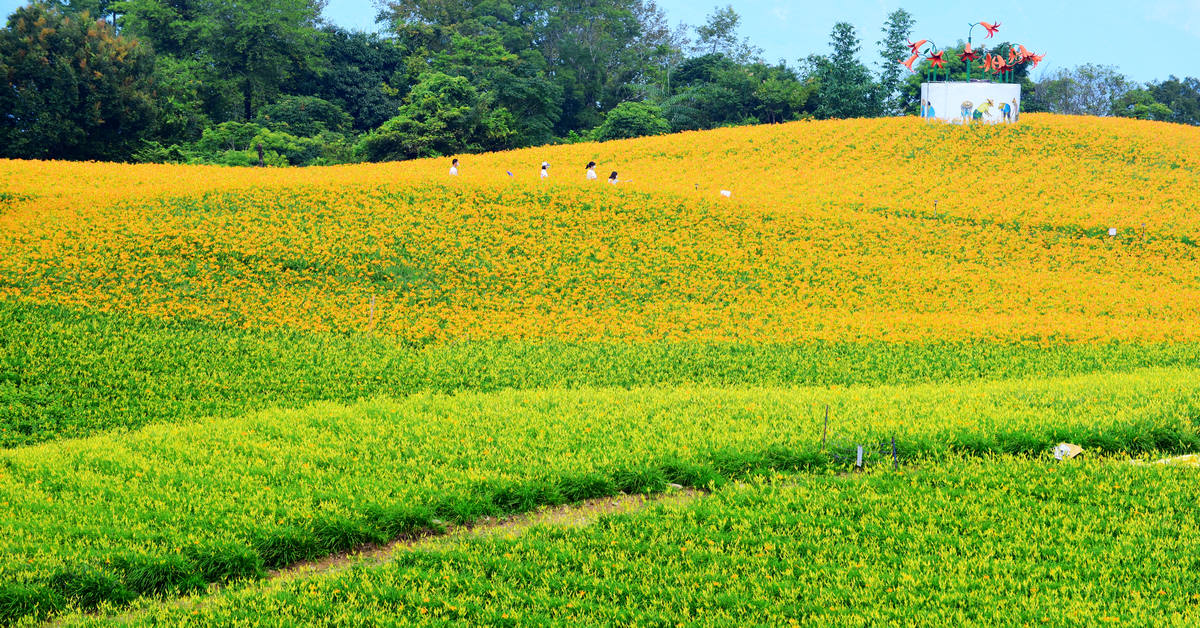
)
(573, 515)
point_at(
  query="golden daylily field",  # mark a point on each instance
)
(209, 373)
(889, 230)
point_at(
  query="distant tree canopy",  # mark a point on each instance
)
(75, 89)
(1086, 90)
(208, 80)
(1180, 96)
(246, 47)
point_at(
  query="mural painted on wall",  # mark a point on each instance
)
(975, 102)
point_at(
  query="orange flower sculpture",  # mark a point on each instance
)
(968, 54)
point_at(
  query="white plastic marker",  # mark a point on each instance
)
(1112, 232)
(726, 193)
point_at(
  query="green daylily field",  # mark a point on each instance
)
(978, 540)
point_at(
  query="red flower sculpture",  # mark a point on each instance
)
(991, 63)
(968, 55)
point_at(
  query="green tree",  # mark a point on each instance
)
(595, 53)
(513, 81)
(1140, 104)
(713, 91)
(1089, 89)
(780, 96)
(107, 10)
(75, 89)
(257, 45)
(845, 88)
(304, 116)
(496, 45)
(179, 92)
(897, 30)
(442, 115)
(362, 75)
(632, 119)
(719, 35)
(716, 91)
(1182, 96)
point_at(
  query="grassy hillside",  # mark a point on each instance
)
(492, 343)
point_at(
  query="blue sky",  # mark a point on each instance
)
(1147, 40)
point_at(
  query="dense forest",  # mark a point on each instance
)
(211, 81)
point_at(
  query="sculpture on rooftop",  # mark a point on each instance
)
(993, 65)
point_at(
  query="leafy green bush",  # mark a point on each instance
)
(632, 119)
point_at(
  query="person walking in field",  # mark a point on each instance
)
(454, 167)
(591, 171)
(545, 170)
(612, 178)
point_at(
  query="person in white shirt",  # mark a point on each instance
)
(545, 169)
(591, 171)
(454, 167)
(612, 178)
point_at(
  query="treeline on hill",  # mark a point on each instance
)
(209, 81)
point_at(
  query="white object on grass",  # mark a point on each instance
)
(1066, 451)
(1112, 232)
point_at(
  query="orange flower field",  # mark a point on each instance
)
(848, 230)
